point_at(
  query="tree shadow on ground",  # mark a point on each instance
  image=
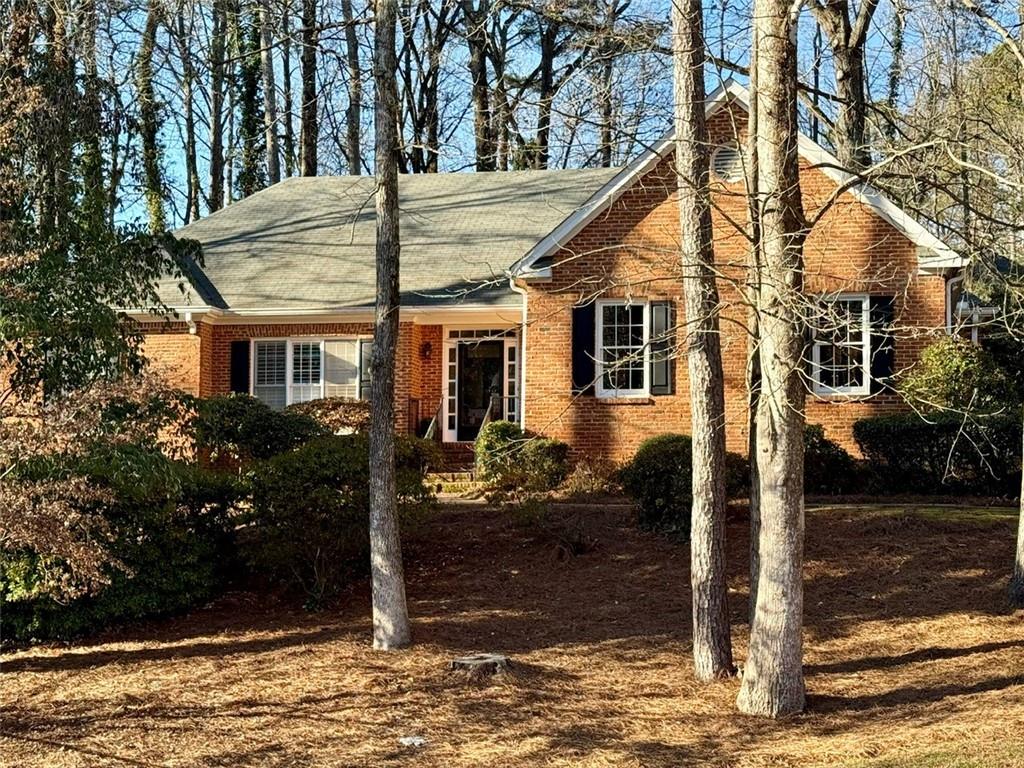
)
(478, 582)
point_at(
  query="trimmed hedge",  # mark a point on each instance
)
(660, 476)
(828, 468)
(945, 454)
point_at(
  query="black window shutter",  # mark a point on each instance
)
(883, 346)
(365, 350)
(663, 323)
(583, 330)
(240, 366)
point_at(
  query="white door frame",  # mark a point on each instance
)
(450, 373)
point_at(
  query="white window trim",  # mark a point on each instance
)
(621, 394)
(290, 341)
(865, 388)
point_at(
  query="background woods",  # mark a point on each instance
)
(187, 106)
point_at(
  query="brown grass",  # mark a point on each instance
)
(911, 660)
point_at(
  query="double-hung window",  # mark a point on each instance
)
(622, 349)
(841, 349)
(288, 371)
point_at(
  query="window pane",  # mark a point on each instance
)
(341, 369)
(622, 354)
(305, 371)
(269, 383)
(839, 344)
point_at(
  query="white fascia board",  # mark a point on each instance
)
(942, 256)
(599, 202)
(423, 315)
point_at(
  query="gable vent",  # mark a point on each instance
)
(727, 163)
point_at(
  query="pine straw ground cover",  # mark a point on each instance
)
(912, 660)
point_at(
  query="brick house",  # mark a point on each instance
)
(549, 296)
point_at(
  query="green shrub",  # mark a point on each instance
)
(307, 528)
(954, 374)
(660, 479)
(496, 449)
(737, 476)
(945, 454)
(169, 539)
(509, 457)
(828, 468)
(240, 428)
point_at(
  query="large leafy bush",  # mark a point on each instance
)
(660, 478)
(238, 429)
(509, 457)
(954, 374)
(943, 452)
(339, 415)
(166, 535)
(308, 525)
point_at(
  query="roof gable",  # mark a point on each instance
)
(933, 254)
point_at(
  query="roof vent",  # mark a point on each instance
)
(727, 163)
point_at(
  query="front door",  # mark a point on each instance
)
(480, 381)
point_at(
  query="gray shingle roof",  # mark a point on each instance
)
(308, 243)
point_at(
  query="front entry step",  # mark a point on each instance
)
(455, 484)
(456, 457)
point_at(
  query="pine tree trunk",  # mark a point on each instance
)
(754, 332)
(607, 108)
(310, 127)
(217, 64)
(851, 120)
(188, 78)
(476, 40)
(1017, 579)
(712, 645)
(847, 38)
(149, 122)
(269, 93)
(94, 193)
(288, 149)
(390, 614)
(773, 684)
(354, 111)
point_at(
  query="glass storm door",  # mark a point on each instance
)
(480, 380)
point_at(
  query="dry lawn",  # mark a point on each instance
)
(911, 659)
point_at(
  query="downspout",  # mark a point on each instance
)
(522, 351)
(951, 310)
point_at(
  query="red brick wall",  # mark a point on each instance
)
(174, 355)
(201, 363)
(632, 250)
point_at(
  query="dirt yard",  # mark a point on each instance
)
(911, 659)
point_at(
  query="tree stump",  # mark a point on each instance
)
(480, 665)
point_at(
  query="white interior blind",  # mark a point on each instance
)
(270, 381)
(341, 369)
